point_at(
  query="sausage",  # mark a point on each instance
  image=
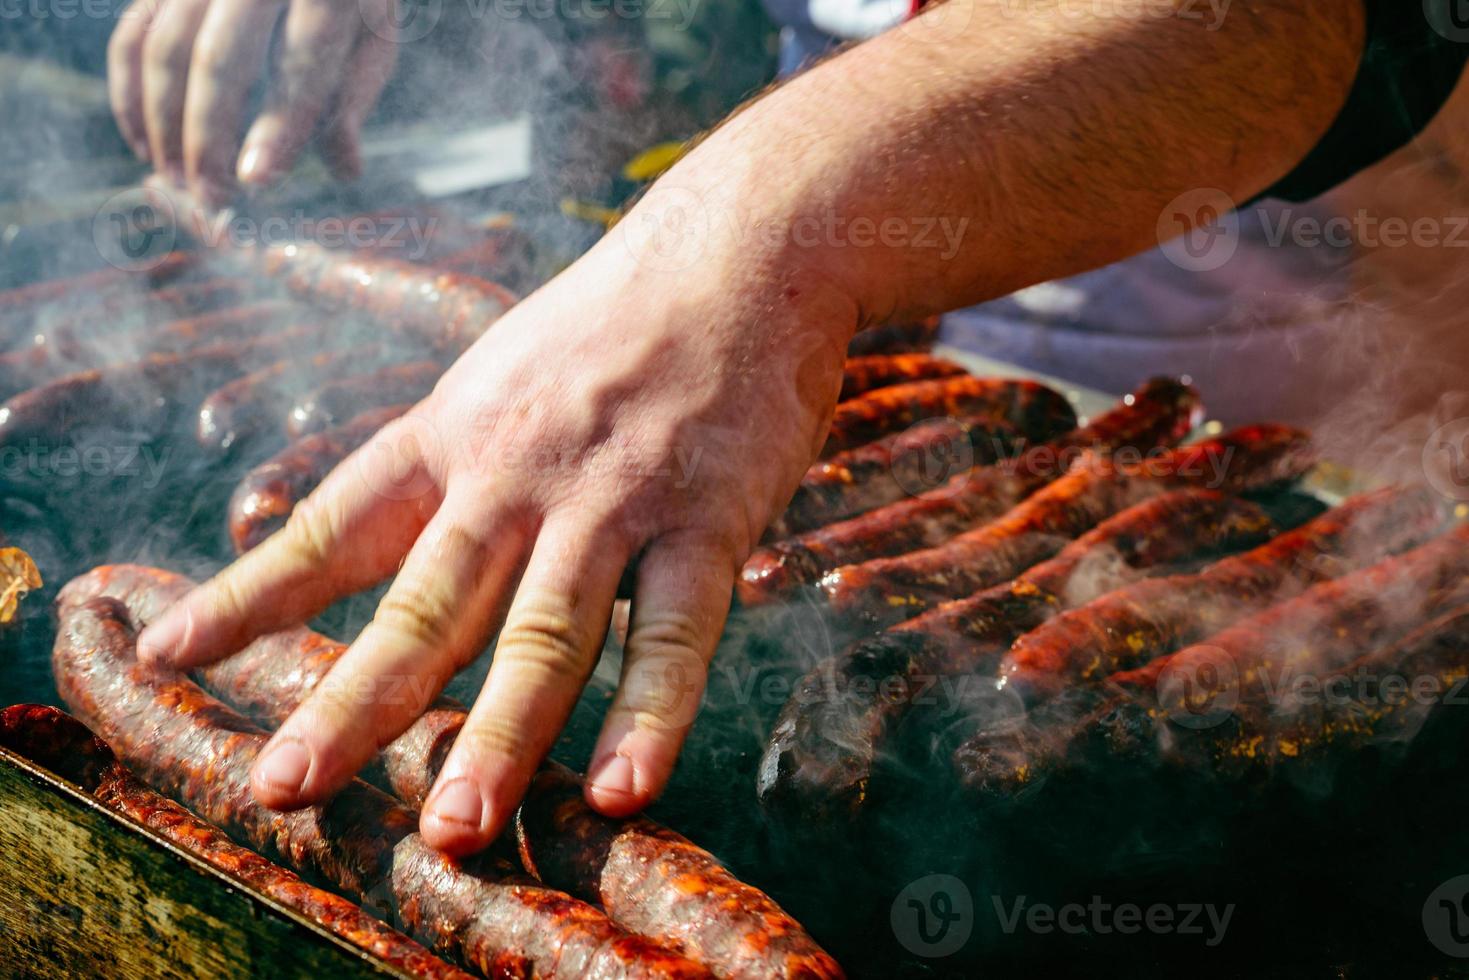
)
(142, 397)
(53, 739)
(649, 879)
(1314, 632)
(38, 364)
(1159, 413)
(1025, 404)
(20, 306)
(1383, 696)
(448, 309)
(884, 591)
(69, 334)
(266, 496)
(822, 752)
(335, 402)
(863, 374)
(895, 338)
(657, 882)
(505, 254)
(250, 406)
(1135, 624)
(197, 750)
(894, 467)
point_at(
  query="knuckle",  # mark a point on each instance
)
(547, 637)
(492, 737)
(309, 536)
(415, 614)
(666, 634)
(662, 691)
(166, 55)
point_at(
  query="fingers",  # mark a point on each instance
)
(125, 74)
(228, 56)
(167, 49)
(315, 45)
(436, 617)
(550, 643)
(685, 581)
(368, 71)
(346, 536)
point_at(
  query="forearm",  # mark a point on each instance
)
(991, 144)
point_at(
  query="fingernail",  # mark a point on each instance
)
(614, 774)
(159, 643)
(253, 167)
(284, 765)
(458, 801)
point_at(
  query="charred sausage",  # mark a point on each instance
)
(841, 716)
(250, 406)
(1025, 404)
(337, 401)
(53, 739)
(197, 750)
(1313, 633)
(888, 590)
(142, 397)
(896, 466)
(1159, 413)
(266, 496)
(895, 338)
(1133, 625)
(448, 309)
(862, 374)
(649, 878)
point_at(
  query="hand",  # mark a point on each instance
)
(627, 412)
(179, 72)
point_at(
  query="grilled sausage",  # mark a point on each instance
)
(824, 747)
(1313, 633)
(659, 883)
(53, 739)
(19, 307)
(894, 467)
(197, 750)
(888, 590)
(1390, 692)
(1133, 625)
(863, 374)
(68, 333)
(250, 406)
(895, 338)
(650, 879)
(1159, 413)
(266, 496)
(38, 364)
(447, 309)
(1025, 404)
(335, 402)
(142, 397)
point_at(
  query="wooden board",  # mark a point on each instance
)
(88, 892)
